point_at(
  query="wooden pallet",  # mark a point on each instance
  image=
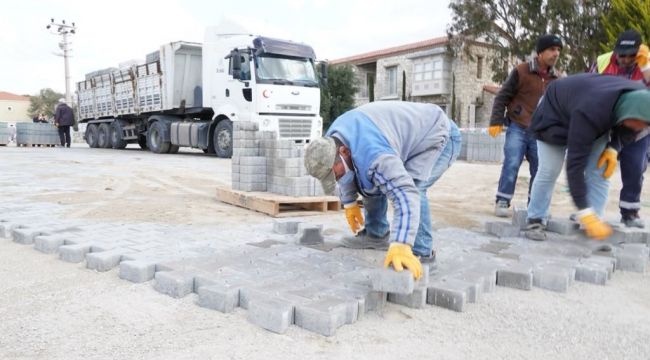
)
(279, 205)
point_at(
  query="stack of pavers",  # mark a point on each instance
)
(261, 162)
(4, 134)
(248, 167)
(36, 134)
(479, 146)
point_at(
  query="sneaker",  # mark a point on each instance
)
(501, 208)
(535, 231)
(363, 241)
(633, 221)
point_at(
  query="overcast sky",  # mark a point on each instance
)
(110, 32)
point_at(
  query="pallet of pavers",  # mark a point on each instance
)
(4, 134)
(287, 279)
(279, 205)
(28, 134)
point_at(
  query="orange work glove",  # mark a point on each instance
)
(609, 157)
(354, 217)
(495, 130)
(594, 227)
(401, 256)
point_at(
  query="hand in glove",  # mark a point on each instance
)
(495, 130)
(608, 156)
(354, 217)
(401, 256)
(594, 227)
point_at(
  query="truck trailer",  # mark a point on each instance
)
(189, 94)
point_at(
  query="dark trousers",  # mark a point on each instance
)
(64, 135)
(633, 160)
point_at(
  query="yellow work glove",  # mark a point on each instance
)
(495, 130)
(354, 217)
(401, 256)
(594, 227)
(642, 57)
(608, 156)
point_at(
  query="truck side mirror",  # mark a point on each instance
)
(323, 73)
(235, 61)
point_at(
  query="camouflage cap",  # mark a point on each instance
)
(319, 159)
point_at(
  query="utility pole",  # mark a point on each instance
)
(64, 30)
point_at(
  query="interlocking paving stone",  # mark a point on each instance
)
(280, 283)
(517, 276)
(391, 281)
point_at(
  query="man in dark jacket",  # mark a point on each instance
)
(575, 118)
(63, 119)
(519, 95)
(629, 60)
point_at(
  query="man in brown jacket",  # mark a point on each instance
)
(519, 95)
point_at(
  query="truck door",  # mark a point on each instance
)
(238, 86)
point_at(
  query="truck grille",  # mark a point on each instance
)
(295, 128)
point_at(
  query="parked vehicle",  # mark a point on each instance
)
(189, 94)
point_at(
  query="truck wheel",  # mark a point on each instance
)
(91, 135)
(155, 138)
(222, 139)
(142, 141)
(116, 135)
(173, 149)
(104, 136)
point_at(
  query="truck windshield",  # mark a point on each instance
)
(285, 71)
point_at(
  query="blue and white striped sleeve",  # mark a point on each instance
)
(389, 174)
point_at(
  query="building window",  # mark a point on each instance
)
(391, 81)
(431, 76)
(479, 67)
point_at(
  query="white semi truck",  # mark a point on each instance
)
(189, 94)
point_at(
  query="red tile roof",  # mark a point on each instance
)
(374, 55)
(13, 97)
(493, 89)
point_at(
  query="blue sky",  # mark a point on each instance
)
(111, 32)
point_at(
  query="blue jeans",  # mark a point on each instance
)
(376, 207)
(633, 160)
(551, 160)
(519, 144)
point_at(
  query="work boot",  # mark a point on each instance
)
(364, 241)
(535, 230)
(501, 208)
(633, 220)
(430, 261)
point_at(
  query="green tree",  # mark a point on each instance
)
(45, 102)
(624, 15)
(338, 96)
(512, 27)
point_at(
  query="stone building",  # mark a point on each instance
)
(13, 108)
(426, 71)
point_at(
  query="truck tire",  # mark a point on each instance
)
(91, 135)
(173, 149)
(104, 136)
(142, 141)
(116, 135)
(155, 140)
(222, 139)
